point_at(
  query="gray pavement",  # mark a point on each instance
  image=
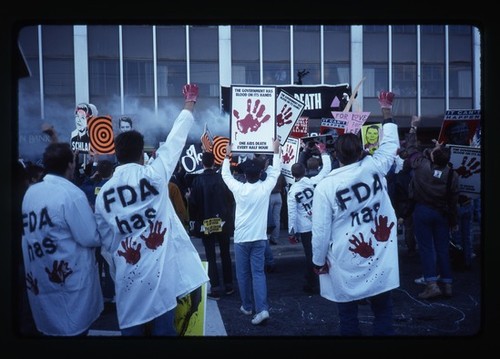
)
(294, 313)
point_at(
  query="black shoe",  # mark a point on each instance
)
(229, 290)
(273, 242)
(213, 295)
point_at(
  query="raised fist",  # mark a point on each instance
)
(190, 92)
(385, 99)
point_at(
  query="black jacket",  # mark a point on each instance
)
(210, 198)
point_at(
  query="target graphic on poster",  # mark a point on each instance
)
(101, 135)
(219, 148)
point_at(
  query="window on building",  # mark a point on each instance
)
(245, 69)
(104, 65)
(59, 71)
(276, 52)
(337, 54)
(171, 52)
(204, 54)
(306, 54)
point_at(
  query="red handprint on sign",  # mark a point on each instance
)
(382, 231)
(289, 155)
(467, 170)
(362, 248)
(131, 255)
(283, 117)
(32, 284)
(155, 238)
(60, 271)
(249, 122)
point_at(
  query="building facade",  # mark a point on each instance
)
(139, 70)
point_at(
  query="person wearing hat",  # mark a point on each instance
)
(250, 226)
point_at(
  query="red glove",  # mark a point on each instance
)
(385, 99)
(190, 92)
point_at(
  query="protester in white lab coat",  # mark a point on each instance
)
(143, 239)
(58, 244)
(299, 203)
(355, 247)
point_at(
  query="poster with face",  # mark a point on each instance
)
(253, 120)
(80, 139)
(371, 136)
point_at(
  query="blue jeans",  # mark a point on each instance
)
(462, 237)
(433, 238)
(249, 258)
(275, 204)
(268, 255)
(381, 305)
(159, 326)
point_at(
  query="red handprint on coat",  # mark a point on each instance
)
(467, 170)
(249, 122)
(362, 248)
(288, 156)
(283, 117)
(32, 284)
(131, 254)
(155, 238)
(60, 271)
(382, 232)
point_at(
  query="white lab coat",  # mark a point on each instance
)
(351, 204)
(58, 244)
(300, 199)
(146, 245)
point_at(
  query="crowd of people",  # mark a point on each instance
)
(120, 231)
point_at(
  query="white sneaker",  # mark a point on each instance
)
(244, 311)
(420, 280)
(261, 317)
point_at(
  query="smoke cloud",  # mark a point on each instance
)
(60, 114)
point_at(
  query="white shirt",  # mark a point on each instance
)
(252, 202)
(300, 199)
(59, 240)
(355, 226)
(148, 249)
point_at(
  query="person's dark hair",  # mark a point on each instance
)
(441, 156)
(35, 172)
(56, 158)
(348, 148)
(208, 159)
(252, 169)
(298, 170)
(105, 168)
(129, 146)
